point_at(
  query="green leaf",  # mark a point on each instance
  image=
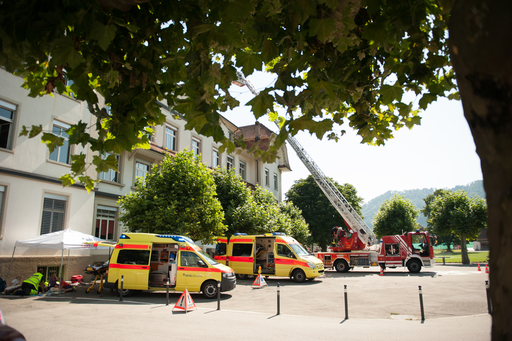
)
(389, 93)
(426, 99)
(103, 34)
(52, 141)
(88, 183)
(65, 53)
(249, 62)
(322, 28)
(78, 163)
(67, 180)
(261, 104)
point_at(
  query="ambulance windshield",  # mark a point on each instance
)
(207, 257)
(299, 250)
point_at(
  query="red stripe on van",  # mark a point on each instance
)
(241, 240)
(187, 268)
(132, 246)
(241, 259)
(129, 266)
(222, 240)
(220, 258)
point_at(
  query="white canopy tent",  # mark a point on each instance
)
(61, 240)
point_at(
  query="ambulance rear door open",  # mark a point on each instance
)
(163, 265)
(264, 255)
(132, 263)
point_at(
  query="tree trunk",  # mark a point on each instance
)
(464, 249)
(481, 55)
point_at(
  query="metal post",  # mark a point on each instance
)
(346, 304)
(218, 295)
(278, 299)
(167, 293)
(121, 291)
(489, 302)
(421, 304)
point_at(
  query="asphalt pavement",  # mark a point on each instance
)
(378, 307)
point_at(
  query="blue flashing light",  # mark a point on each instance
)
(179, 239)
(278, 234)
(240, 234)
(124, 236)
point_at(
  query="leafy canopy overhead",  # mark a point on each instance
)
(335, 62)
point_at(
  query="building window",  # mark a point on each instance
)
(231, 136)
(110, 175)
(54, 207)
(170, 138)
(105, 222)
(241, 170)
(61, 154)
(267, 177)
(275, 181)
(141, 169)
(231, 163)
(7, 112)
(215, 158)
(196, 146)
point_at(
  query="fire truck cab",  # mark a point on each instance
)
(412, 250)
(143, 261)
(276, 254)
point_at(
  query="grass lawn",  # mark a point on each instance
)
(455, 257)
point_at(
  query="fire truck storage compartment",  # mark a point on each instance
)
(360, 259)
(264, 255)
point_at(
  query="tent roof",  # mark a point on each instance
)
(65, 239)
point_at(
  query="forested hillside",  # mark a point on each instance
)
(416, 196)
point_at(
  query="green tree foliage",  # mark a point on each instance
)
(257, 212)
(178, 197)
(456, 213)
(232, 193)
(396, 216)
(334, 61)
(317, 210)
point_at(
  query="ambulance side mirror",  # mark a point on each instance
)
(201, 264)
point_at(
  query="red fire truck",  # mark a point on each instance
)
(412, 250)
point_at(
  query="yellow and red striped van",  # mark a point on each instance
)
(276, 254)
(143, 261)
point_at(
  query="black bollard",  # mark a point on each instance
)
(489, 303)
(218, 295)
(167, 294)
(421, 304)
(346, 304)
(278, 298)
(121, 291)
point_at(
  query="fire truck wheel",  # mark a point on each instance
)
(414, 266)
(209, 289)
(341, 266)
(299, 276)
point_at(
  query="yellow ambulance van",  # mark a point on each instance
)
(276, 254)
(146, 261)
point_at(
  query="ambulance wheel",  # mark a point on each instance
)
(341, 266)
(414, 266)
(209, 289)
(299, 276)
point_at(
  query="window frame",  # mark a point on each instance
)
(276, 187)
(173, 138)
(53, 210)
(242, 170)
(216, 159)
(198, 145)
(10, 136)
(267, 177)
(57, 151)
(144, 162)
(230, 163)
(97, 230)
(3, 197)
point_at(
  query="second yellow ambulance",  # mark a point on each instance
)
(276, 254)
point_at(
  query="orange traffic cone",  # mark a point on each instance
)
(479, 267)
(381, 272)
(486, 270)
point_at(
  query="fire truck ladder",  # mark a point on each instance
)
(337, 199)
(339, 202)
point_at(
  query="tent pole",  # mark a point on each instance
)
(8, 272)
(61, 261)
(67, 266)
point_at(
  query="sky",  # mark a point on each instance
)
(440, 153)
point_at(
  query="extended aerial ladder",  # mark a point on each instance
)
(348, 213)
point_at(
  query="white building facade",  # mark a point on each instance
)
(34, 202)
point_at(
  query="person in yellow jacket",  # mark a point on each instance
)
(32, 285)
